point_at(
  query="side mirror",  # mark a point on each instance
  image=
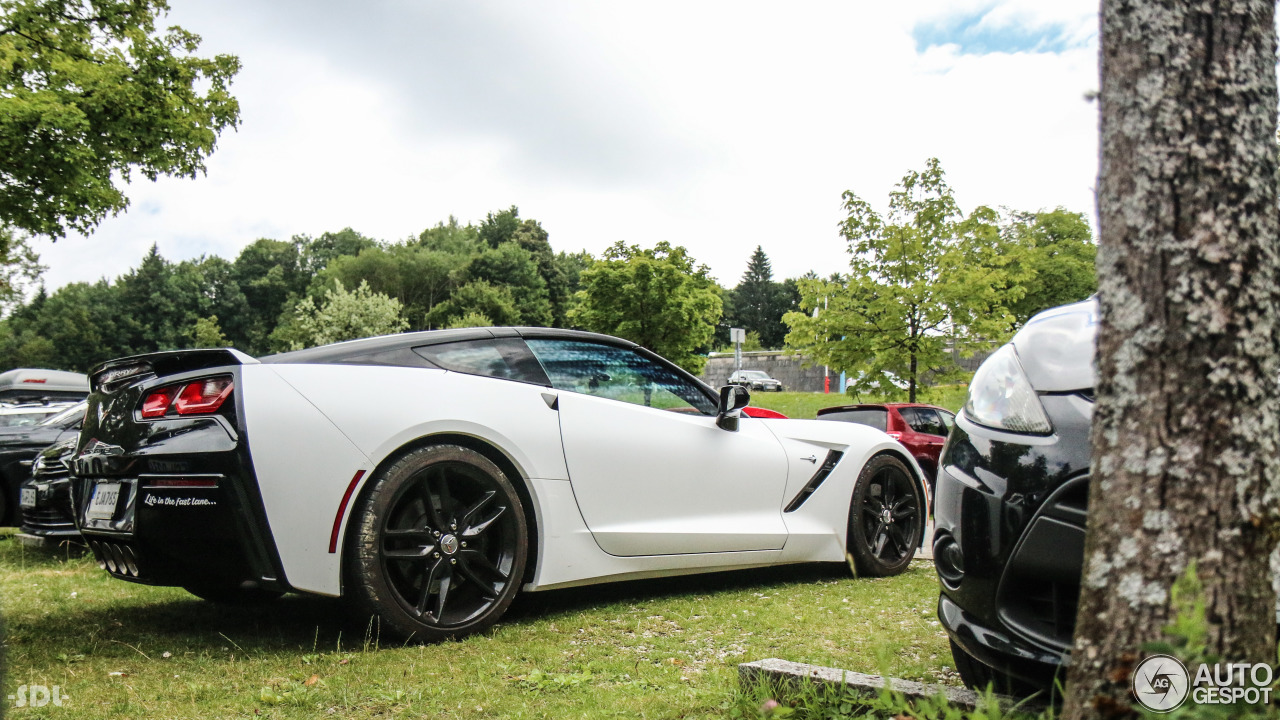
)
(732, 399)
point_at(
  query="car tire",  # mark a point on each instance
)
(980, 676)
(886, 520)
(232, 594)
(409, 562)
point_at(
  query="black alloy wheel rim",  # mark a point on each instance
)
(448, 544)
(890, 515)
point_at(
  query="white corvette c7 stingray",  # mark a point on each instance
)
(432, 475)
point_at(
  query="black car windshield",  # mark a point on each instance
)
(754, 375)
(877, 418)
(75, 412)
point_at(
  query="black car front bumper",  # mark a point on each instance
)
(1009, 544)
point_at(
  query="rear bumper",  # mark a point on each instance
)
(164, 531)
(187, 510)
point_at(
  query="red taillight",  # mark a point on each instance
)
(202, 396)
(157, 403)
(194, 398)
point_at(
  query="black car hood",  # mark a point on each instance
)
(31, 435)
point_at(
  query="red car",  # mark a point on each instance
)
(922, 429)
(756, 412)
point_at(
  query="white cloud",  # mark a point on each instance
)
(716, 126)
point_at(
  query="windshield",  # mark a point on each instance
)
(74, 412)
(755, 374)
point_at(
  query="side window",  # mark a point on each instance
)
(947, 419)
(619, 374)
(504, 358)
(923, 420)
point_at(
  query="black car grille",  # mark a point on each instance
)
(51, 470)
(47, 520)
(1040, 588)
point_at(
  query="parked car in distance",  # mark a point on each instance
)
(921, 428)
(19, 446)
(495, 461)
(25, 385)
(755, 380)
(1013, 494)
(46, 496)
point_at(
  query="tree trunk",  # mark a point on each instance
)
(1185, 461)
(911, 391)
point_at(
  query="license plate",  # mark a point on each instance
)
(103, 504)
(27, 498)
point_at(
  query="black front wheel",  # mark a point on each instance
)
(440, 544)
(886, 518)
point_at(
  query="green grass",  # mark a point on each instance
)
(663, 648)
(807, 405)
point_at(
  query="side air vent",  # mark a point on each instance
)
(833, 457)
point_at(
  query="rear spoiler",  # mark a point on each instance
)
(112, 373)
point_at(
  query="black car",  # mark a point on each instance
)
(46, 496)
(1012, 493)
(18, 449)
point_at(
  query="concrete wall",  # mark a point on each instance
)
(790, 369)
(796, 372)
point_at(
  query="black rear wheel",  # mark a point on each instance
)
(886, 518)
(440, 544)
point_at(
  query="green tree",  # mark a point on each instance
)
(499, 227)
(1056, 259)
(471, 319)
(758, 303)
(342, 316)
(656, 298)
(149, 305)
(271, 275)
(515, 268)
(451, 237)
(416, 275)
(477, 297)
(924, 282)
(317, 253)
(91, 92)
(206, 333)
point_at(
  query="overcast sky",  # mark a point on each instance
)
(717, 126)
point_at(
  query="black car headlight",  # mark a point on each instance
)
(1001, 397)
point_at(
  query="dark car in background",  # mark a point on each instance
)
(755, 380)
(46, 496)
(1012, 494)
(18, 449)
(921, 428)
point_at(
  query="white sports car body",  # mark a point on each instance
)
(565, 458)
